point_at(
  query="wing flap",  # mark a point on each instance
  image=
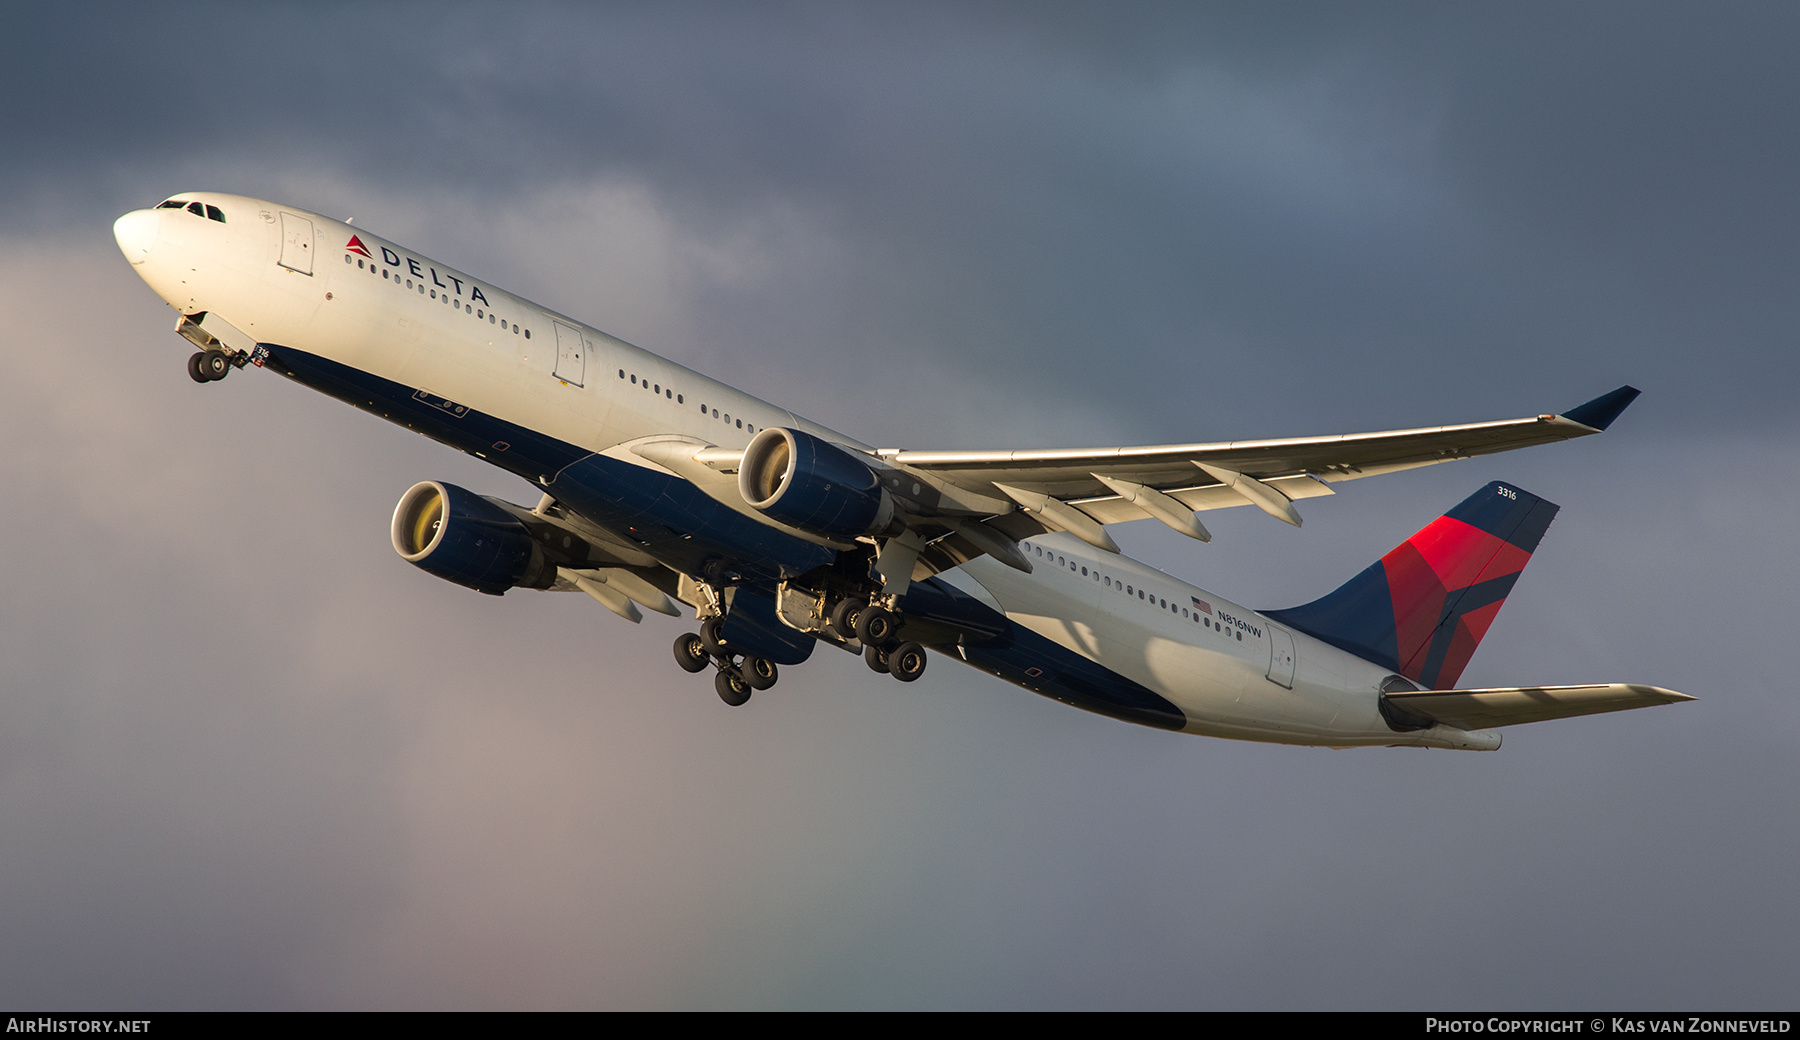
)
(1113, 509)
(1515, 705)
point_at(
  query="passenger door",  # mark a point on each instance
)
(296, 243)
(1281, 657)
(571, 354)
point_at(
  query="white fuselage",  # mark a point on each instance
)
(283, 276)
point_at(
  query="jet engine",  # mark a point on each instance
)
(805, 482)
(461, 537)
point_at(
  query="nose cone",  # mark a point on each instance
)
(136, 232)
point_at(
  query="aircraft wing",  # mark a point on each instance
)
(1062, 488)
(1512, 706)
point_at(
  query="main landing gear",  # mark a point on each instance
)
(209, 366)
(737, 679)
(875, 627)
(852, 620)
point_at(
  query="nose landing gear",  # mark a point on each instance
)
(208, 366)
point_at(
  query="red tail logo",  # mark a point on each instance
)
(1423, 607)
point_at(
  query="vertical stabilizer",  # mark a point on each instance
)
(1423, 607)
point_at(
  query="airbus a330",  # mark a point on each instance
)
(660, 488)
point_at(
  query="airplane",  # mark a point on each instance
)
(660, 487)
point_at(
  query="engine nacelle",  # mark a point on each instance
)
(461, 537)
(802, 481)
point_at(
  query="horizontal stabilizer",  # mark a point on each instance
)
(1513, 705)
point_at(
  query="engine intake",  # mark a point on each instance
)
(805, 482)
(461, 537)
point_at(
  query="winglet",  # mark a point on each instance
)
(1601, 411)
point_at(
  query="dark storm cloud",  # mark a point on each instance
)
(247, 757)
(1400, 202)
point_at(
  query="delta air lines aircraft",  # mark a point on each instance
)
(659, 487)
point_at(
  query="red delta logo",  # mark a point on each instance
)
(356, 246)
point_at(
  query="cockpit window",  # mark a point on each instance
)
(198, 209)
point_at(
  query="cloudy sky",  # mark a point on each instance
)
(250, 759)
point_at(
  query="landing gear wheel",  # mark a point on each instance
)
(759, 672)
(710, 638)
(875, 626)
(194, 370)
(215, 364)
(907, 662)
(690, 653)
(844, 616)
(733, 690)
(876, 659)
